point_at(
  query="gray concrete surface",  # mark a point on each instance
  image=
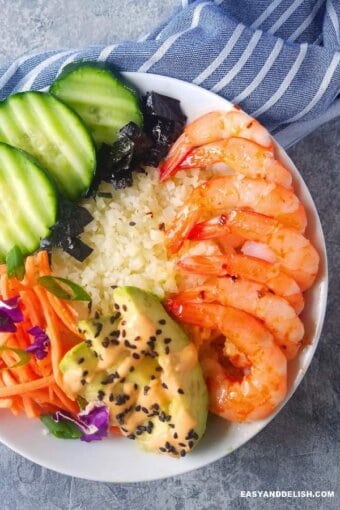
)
(300, 449)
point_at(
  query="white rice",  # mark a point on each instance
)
(128, 244)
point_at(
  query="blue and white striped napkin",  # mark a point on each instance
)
(278, 59)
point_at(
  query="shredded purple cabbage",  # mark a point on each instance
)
(40, 344)
(93, 423)
(9, 314)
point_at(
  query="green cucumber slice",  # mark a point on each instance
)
(29, 202)
(100, 99)
(54, 135)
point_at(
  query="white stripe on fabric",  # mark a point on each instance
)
(105, 53)
(218, 2)
(156, 57)
(318, 39)
(26, 82)
(144, 37)
(184, 3)
(222, 56)
(14, 66)
(334, 19)
(323, 87)
(262, 74)
(266, 13)
(307, 21)
(247, 53)
(286, 82)
(69, 60)
(284, 16)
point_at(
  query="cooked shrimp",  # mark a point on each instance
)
(276, 313)
(210, 128)
(244, 156)
(230, 191)
(296, 255)
(263, 386)
(250, 268)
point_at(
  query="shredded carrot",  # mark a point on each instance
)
(36, 387)
(116, 431)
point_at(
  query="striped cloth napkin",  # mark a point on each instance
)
(278, 59)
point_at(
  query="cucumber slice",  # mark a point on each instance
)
(47, 129)
(28, 200)
(102, 101)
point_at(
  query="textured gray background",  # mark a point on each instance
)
(300, 449)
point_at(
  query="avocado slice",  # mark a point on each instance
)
(142, 365)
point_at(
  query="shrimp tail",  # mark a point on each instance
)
(177, 154)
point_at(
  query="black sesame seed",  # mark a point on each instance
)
(159, 369)
(145, 410)
(88, 342)
(96, 315)
(116, 333)
(135, 386)
(124, 308)
(146, 389)
(111, 397)
(162, 449)
(114, 341)
(121, 399)
(180, 391)
(83, 381)
(131, 436)
(122, 380)
(191, 444)
(135, 355)
(106, 342)
(131, 369)
(162, 321)
(182, 444)
(117, 307)
(158, 331)
(101, 395)
(182, 453)
(155, 406)
(167, 350)
(164, 385)
(153, 377)
(89, 305)
(137, 338)
(175, 435)
(99, 327)
(132, 223)
(153, 338)
(85, 373)
(138, 408)
(124, 429)
(123, 323)
(81, 360)
(167, 445)
(171, 425)
(123, 333)
(167, 340)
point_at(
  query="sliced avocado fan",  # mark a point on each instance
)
(141, 364)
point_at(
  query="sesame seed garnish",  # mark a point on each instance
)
(180, 391)
(106, 342)
(96, 315)
(155, 406)
(88, 342)
(158, 331)
(123, 323)
(101, 395)
(122, 380)
(131, 369)
(182, 444)
(83, 381)
(167, 340)
(117, 307)
(124, 308)
(99, 327)
(161, 226)
(164, 385)
(167, 350)
(123, 333)
(175, 435)
(135, 355)
(191, 444)
(131, 436)
(135, 386)
(162, 321)
(153, 338)
(146, 389)
(132, 223)
(81, 360)
(158, 369)
(111, 397)
(116, 333)
(153, 377)
(138, 408)
(162, 449)
(145, 410)
(182, 453)
(137, 338)
(115, 341)
(85, 373)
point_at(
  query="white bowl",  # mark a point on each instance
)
(120, 460)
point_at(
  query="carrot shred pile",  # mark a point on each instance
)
(36, 387)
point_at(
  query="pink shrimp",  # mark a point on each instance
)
(244, 156)
(276, 313)
(227, 192)
(251, 268)
(210, 128)
(296, 255)
(263, 385)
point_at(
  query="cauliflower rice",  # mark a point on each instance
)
(128, 240)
